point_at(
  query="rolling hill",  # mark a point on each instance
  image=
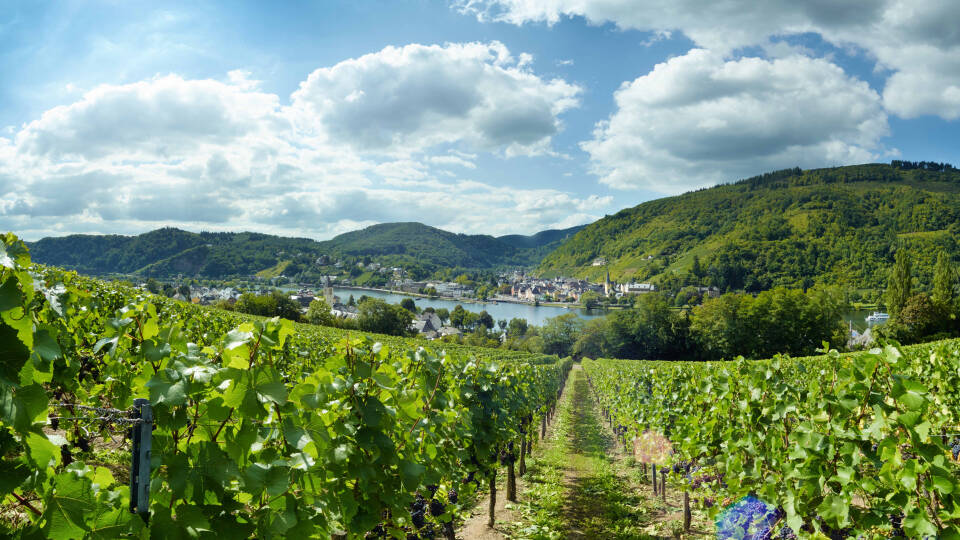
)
(170, 251)
(792, 227)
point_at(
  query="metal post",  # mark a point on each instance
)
(140, 460)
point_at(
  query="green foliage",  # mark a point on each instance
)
(275, 304)
(560, 333)
(378, 316)
(777, 321)
(899, 285)
(790, 228)
(944, 282)
(319, 313)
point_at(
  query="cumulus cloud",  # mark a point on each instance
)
(918, 40)
(418, 96)
(699, 119)
(384, 137)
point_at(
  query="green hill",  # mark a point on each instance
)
(169, 251)
(791, 227)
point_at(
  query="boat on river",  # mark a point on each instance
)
(877, 316)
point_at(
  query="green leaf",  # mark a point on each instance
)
(67, 509)
(12, 474)
(410, 473)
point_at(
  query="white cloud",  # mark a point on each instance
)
(415, 97)
(225, 155)
(700, 119)
(919, 40)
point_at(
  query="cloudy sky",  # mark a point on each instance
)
(477, 116)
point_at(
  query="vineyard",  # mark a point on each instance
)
(129, 415)
(861, 446)
(241, 426)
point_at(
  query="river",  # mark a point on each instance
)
(535, 315)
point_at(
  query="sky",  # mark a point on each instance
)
(311, 119)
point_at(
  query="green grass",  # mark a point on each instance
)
(575, 490)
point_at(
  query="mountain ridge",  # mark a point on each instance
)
(792, 227)
(170, 251)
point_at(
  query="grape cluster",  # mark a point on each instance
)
(65, 455)
(452, 496)
(786, 533)
(955, 450)
(377, 532)
(437, 508)
(896, 522)
(83, 444)
(54, 423)
(705, 479)
(418, 511)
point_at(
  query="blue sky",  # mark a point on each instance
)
(478, 116)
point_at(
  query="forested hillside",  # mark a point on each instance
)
(792, 227)
(169, 251)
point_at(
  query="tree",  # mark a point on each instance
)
(470, 320)
(944, 281)
(184, 291)
(351, 301)
(169, 290)
(590, 299)
(899, 285)
(153, 286)
(378, 316)
(319, 313)
(457, 316)
(485, 320)
(593, 342)
(696, 269)
(409, 305)
(502, 323)
(560, 333)
(517, 327)
(444, 314)
(919, 318)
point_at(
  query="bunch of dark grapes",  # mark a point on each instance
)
(65, 456)
(418, 511)
(896, 521)
(437, 508)
(452, 496)
(956, 450)
(786, 533)
(83, 444)
(432, 488)
(377, 532)
(54, 423)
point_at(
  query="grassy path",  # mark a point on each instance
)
(580, 486)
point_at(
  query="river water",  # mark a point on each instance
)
(536, 315)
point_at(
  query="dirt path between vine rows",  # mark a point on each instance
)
(475, 527)
(582, 485)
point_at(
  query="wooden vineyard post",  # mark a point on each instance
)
(493, 496)
(663, 485)
(512, 479)
(654, 469)
(140, 459)
(543, 427)
(523, 452)
(686, 511)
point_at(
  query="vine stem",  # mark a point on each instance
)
(26, 503)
